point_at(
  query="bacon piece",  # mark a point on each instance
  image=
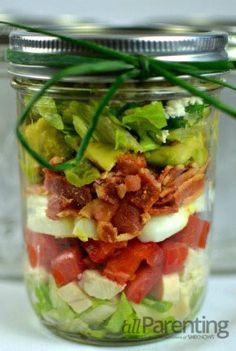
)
(188, 174)
(170, 174)
(69, 212)
(131, 164)
(99, 210)
(190, 190)
(179, 185)
(167, 191)
(149, 193)
(155, 211)
(127, 219)
(121, 190)
(57, 184)
(133, 183)
(100, 251)
(56, 204)
(108, 189)
(106, 232)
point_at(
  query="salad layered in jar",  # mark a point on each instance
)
(116, 246)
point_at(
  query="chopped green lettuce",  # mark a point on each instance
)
(107, 128)
(104, 318)
(46, 108)
(123, 312)
(149, 117)
(194, 113)
(43, 302)
(160, 306)
(83, 174)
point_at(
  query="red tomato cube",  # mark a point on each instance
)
(122, 267)
(68, 266)
(145, 279)
(100, 251)
(194, 234)
(41, 248)
(175, 254)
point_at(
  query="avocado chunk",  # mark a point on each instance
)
(191, 149)
(103, 155)
(46, 141)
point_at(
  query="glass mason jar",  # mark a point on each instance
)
(11, 248)
(117, 247)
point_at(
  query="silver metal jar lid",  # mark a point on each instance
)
(204, 24)
(164, 45)
(226, 25)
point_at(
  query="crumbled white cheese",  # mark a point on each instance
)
(193, 100)
(165, 134)
(176, 108)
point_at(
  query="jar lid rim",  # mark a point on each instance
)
(187, 47)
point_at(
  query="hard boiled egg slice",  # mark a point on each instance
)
(85, 229)
(159, 228)
(198, 205)
(38, 222)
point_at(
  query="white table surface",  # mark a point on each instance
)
(21, 331)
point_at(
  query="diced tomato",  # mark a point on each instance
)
(41, 248)
(100, 251)
(122, 268)
(145, 279)
(175, 255)
(127, 218)
(67, 266)
(194, 234)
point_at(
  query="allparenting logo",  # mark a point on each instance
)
(199, 328)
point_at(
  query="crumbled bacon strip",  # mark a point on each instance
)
(106, 232)
(127, 218)
(108, 189)
(163, 210)
(130, 164)
(56, 183)
(133, 183)
(149, 193)
(56, 204)
(121, 190)
(190, 190)
(99, 210)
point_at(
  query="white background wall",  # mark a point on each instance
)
(121, 11)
